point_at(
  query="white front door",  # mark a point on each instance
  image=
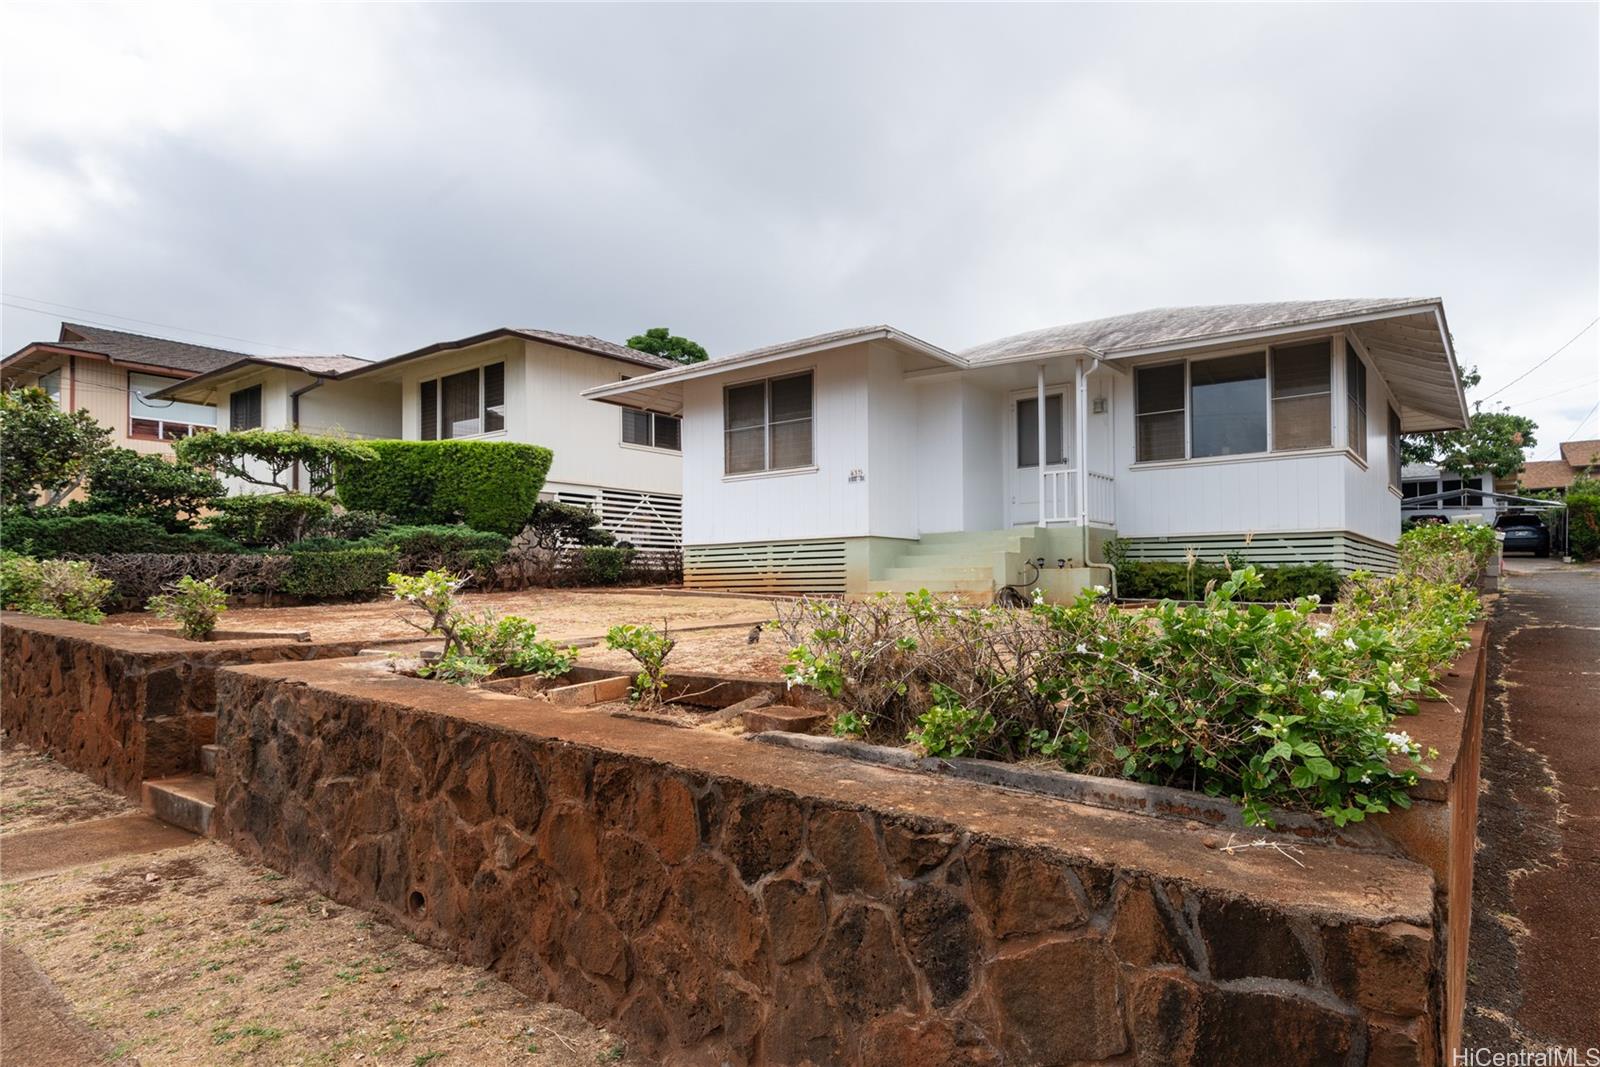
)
(1022, 474)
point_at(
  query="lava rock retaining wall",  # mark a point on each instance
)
(714, 900)
(120, 705)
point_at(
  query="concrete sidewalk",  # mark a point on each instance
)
(1534, 975)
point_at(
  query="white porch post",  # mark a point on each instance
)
(1039, 393)
(1080, 398)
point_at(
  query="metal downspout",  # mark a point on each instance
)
(294, 424)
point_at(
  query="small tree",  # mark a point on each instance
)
(125, 482)
(659, 341)
(553, 526)
(1491, 443)
(194, 604)
(267, 457)
(44, 451)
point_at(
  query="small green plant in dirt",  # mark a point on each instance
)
(949, 727)
(53, 588)
(649, 648)
(476, 647)
(194, 604)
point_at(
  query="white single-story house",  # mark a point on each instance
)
(504, 384)
(868, 460)
(1419, 483)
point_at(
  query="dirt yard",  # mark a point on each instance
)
(192, 956)
(562, 614)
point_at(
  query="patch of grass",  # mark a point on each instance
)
(613, 1054)
(158, 1013)
(426, 1058)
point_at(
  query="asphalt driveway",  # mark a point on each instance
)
(1534, 972)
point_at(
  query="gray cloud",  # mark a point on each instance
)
(370, 179)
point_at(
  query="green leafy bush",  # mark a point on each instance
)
(54, 588)
(1272, 706)
(489, 485)
(602, 564)
(352, 525)
(48, 451)
(476, 648)
(1454, 552)
(459, 549)
(125, 482)
(552, 525)
(57, 534)
(1160, 580)
(1583, 518)
(267, 520)
(339, 572)
(649, 648)
(270, 457)
(136, 577)
(194, 604)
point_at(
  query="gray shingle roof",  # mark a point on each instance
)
(1162, 326)
(599, 346)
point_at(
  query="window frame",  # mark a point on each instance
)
(1335, 377)
(655, 417)
(767, 470)
(1356, 400)
(437, 380)
(165, 429)
(1392, 447)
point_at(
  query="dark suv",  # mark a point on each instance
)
(1525, 533)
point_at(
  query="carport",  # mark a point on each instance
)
(1532, 504)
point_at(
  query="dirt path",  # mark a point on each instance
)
(1532, 979)
(190, 955)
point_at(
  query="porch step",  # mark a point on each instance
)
(980, 589)
(208, 759)
(908, 572)
(187, 801)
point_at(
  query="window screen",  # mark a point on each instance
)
(1028, 431)
(494, 397)
(635, 427)
(459, 405)
(768, 425)
(429, 394)
(244, 409)
(1355, 384)
(1394, 452)
(745, 419)
(1302, 409)
(1158, 412)
(669, 432)
(1228, 405)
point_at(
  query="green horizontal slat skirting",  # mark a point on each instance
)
(1343, 550)
(769, 567)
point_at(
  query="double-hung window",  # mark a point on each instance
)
(244, 408)
(651, 429)
(767, 425)
(465, 404)
(1158, 412)
(1355, 388)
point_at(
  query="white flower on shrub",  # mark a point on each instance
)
(1100, 590)
(1082, 648)
(1400, 741)
(1313, 675)
(1330, 694)
(1350, 644)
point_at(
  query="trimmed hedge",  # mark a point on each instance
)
(1154, 580)
(75, 536)
(136, 577)
(602, 564)
(342, 572)
(264, 520)
(489, 485)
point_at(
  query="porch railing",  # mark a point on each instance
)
(1061, 497)
(1102, 499)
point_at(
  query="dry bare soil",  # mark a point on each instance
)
(194, 956)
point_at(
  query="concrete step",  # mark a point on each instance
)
(208, 759)
(187, 801)
(978, 537)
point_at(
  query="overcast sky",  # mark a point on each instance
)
(369, 179)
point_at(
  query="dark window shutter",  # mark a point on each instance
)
(430, 409)
(494, 397)
(244, 409)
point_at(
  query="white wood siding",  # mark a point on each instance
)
(783, 506)
(893, 462)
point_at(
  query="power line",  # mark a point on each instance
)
(1581, 423)
(1539, 364)
(128, 318)
(1559, 392)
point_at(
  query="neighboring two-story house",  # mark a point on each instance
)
(507, 383)
(114, 376)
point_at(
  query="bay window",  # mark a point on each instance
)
(465, 404)
(1228, 398)
(1302, 393)
(767, 425)
(1394, 453)
(1355, 388)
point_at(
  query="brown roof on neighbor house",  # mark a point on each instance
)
(1581, 454)
(1546, 474)
(121, 347)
